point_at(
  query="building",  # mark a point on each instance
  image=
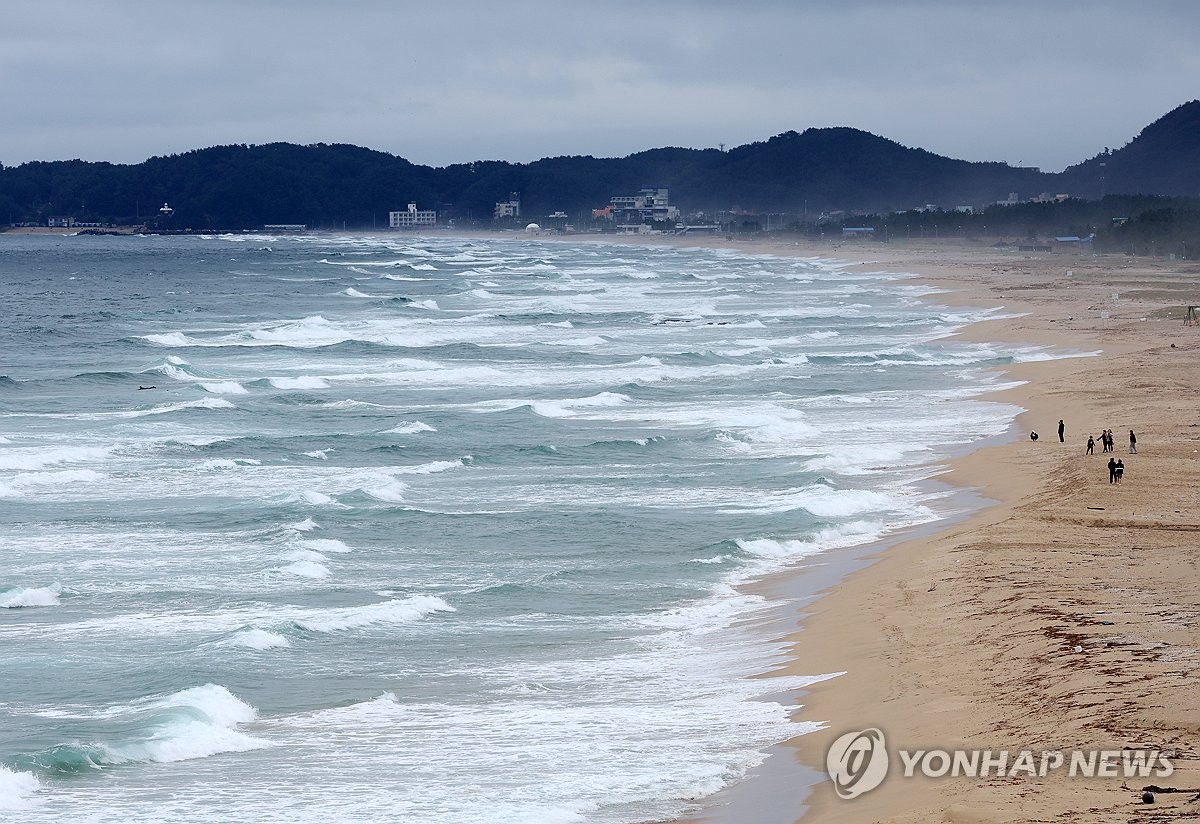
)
(61, 222)
(411, 218)
(508, 208)
(650, 205)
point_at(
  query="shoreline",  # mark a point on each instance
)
(939, 638)
(1063, 614)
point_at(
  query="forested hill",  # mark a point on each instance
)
(334, 185)
(1163, 160)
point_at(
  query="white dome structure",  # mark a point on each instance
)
(533, 228)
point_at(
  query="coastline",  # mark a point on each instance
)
(966, 636)
(1061, 615)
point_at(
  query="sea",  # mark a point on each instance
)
(341, 528)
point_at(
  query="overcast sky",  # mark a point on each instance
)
(1037, 83)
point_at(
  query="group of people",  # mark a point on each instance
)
(1106, 440)
(1116, 470)
(1116, 466)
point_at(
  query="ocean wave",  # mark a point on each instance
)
(303, 382)
(225, 388)
(306, 569)
(190, 724)
(171, 339)
(409, 428)
(388, 490)
(403, 611)
(175, 368)
(432, 467)
(325, 545)
(35, 481)
(229, 463)
(824, 502)
(18, 790)
(19, 598)
(351, 292)
(257, 639)
(573, 406)
(30, 460)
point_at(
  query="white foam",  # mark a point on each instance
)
(354, 293)
(225, 388)
(571, 407)
(229, 463)
(306, 569)
(410, 428)
(187, 737)
(17, 789)
(431, 467)
(304, 555)
(35, 482)
(29, 459)
(30, 597)
(260, 639)
(319, 454)
(389, 490)
(326, 545)
(170, 339)
(307, 525)
(304, 382)
(403, 611)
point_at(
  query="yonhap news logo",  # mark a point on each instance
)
(858, 762)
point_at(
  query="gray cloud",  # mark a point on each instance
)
(1038, 83)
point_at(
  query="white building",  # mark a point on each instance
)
(508, 208)
(411, 218)
(647, 206)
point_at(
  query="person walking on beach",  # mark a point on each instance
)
(1062, 431)
(1132, 443)
(1120, 470)
(1091, 446)
(1112, 471)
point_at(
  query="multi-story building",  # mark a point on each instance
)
(411, 218)
(508, 208)
(650, 205)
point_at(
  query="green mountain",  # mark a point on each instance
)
(335, 185)
(1163, 160)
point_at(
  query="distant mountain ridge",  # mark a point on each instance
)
(337, 185)
(1164, 159)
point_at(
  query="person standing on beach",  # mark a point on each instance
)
(1120, 470)
(1062, 431)
(1112, 471)
(1091, 446)
(1132, 443)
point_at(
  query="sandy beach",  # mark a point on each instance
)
(1062, 617)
